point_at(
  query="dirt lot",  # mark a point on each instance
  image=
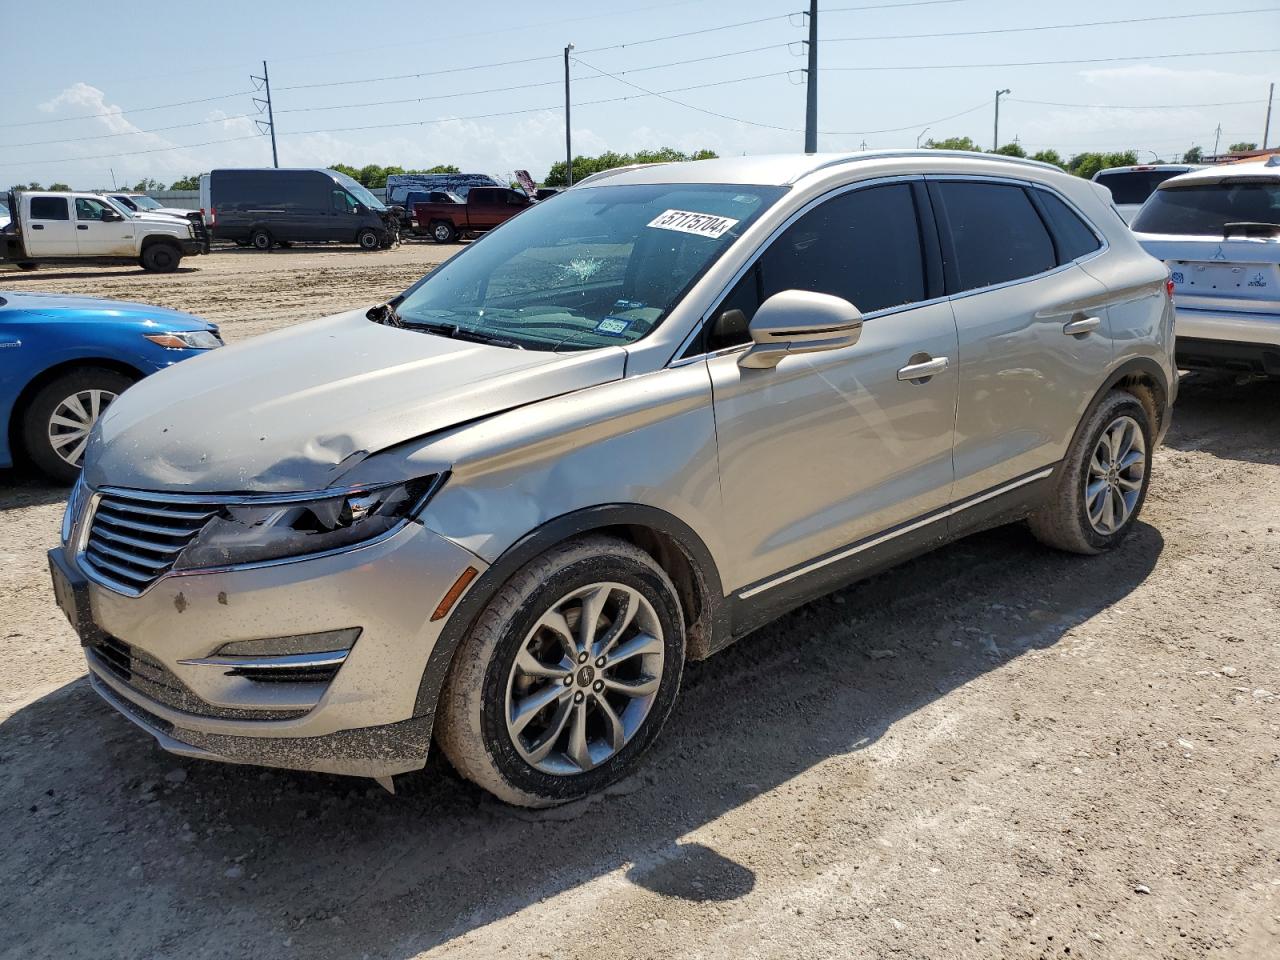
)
(995, 751)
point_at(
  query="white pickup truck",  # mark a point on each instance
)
(50, 227)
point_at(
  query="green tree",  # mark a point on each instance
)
(186, 183)
(952, 143)
(59, 186)
(1011, 150)
(27, 186)
(1242, 147)
(1194, 155)
(347, 169)
(1049, 156)
(1087, 164)
(585, 166)
(146, 184)
(438, 168)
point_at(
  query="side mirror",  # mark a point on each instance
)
(359, 208)
(798, 321)
(111, 216)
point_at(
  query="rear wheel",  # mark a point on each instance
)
(61, 415)
(368, 239)
(161, 258)
(568, 675)
(443, 232)
(261, 239)
(1103, 481)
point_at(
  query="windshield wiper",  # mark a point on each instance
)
(456, 332)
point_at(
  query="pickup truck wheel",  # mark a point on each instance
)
(261, 240)
(567, 676)
(368, 239)
(26, 265)
(443, 232)
(56, 426)
(161, 258)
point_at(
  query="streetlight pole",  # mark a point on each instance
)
(920, 135)
(995, 139)
(568, 134)
(1266, 129)
(811, 94)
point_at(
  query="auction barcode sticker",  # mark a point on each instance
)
(686, 221)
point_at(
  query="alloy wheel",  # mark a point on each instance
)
(71, 421)
(1114, 479)
(585, 678)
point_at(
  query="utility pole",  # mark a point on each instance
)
(1217, 135)
(568, 135)
(811, 94)
(995, 139)
(270, 125)
(1266, 130)
(920, 135)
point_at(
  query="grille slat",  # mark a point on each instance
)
(137, 540)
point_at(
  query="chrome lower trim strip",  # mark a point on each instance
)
(329, 658)
(885, 537)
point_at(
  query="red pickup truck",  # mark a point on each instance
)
(484, 209)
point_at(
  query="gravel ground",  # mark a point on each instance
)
(994, 751)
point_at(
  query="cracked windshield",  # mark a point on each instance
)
(594, 267)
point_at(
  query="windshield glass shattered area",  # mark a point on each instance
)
(595, 266)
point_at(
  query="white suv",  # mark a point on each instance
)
(1218, 230)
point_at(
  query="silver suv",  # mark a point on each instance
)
(626, 428)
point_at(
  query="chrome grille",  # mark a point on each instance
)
(135, 539)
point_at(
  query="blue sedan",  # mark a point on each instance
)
(64, 359)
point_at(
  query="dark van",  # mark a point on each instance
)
(268, 207)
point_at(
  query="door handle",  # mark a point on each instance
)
(37, 226)
(923, 370)
(82, 226)
(1084, 325)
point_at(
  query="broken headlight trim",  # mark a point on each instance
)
(262, 530)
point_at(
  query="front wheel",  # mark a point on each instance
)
(261, 239)
(368, 239)
(161, 258)
(568, 675)
(62, 414)
(1102, 483)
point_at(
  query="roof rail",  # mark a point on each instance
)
(926, 152)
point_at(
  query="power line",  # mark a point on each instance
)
(128, 133)
(117, 113)
(1049, 63)
(131, 153)
(889, 6)
(1054, 26)
(1138, 106)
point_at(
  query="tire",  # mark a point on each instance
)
(443, 232)
(40, 434)
(485, 681)
(26, 265)
(368, 239)
(161, 258)
(1094, 507)
(261, 239)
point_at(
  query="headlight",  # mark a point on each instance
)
(73, 507)
(185, 340)
(265, 530)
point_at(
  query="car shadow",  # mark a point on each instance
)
(40, 275)
(99, 822)
(23, 487)
(1227, 417)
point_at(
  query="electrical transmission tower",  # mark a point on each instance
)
(263, 83)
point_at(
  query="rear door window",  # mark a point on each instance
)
(49, 208)
(996, 234)
(1072, 237)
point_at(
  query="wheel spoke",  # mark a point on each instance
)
(617, 734)
(1113, 442)
(641, 643)
(526, 709)
(554, 621)
(1096, 467)
(644, 687)
(592, 608)
(1130, 483)
(57, 420)
(60, 440)
(1092, 491)
(76, 407)
(578, 750)
(74, 456)
(531, 666)
(95, 403)
(626, 613)
(542, 749)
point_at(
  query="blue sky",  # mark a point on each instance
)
(151, 54)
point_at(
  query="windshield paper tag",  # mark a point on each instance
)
(701, 224)
(614, 325)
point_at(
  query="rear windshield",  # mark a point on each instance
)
(1204, 209)
(1136, 185)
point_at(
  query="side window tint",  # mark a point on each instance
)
(49, 208)
(1071, 235)
(863, 246)
(996, 233)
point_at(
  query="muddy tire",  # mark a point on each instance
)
(58, 419)
(539, 710)
(161, 258)
(1103, 480)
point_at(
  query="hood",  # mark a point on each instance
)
(295, 410)
(160, 216)
(57, 306)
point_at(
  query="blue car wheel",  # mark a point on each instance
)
(61, 415)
